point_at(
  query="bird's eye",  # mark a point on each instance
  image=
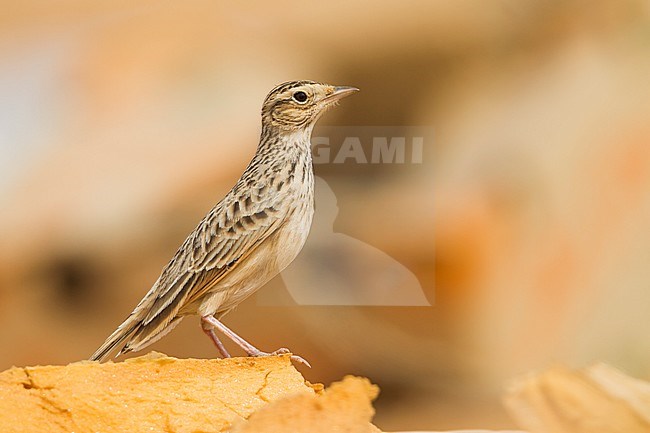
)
(300, 97)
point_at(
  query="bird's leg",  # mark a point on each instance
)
(248, 348)
(209, 331)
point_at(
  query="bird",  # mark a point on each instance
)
(247, 238)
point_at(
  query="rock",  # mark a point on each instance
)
(597, 399)
(159, 393)
(343, 407)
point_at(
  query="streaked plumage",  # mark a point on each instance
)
(248, 237)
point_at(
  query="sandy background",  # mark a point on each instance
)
(526, 224)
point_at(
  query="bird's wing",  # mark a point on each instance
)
(228, 233)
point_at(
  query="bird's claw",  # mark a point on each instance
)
(300, 360)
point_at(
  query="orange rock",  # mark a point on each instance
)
(150, 393)
(343, 407)
(596, 399)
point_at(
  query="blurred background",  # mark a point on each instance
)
(527, 224)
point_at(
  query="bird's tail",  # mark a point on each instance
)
(136, 334)
(116, 338)
(147, 323)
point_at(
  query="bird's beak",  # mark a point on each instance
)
(340, 92)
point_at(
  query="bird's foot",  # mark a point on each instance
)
(210, 322)
(281, 351)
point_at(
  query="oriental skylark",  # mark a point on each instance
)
(250, 236)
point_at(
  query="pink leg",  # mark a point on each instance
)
(248, 348)
(209, 331)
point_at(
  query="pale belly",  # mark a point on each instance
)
(264, 263)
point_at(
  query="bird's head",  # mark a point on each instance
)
(298, 104)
